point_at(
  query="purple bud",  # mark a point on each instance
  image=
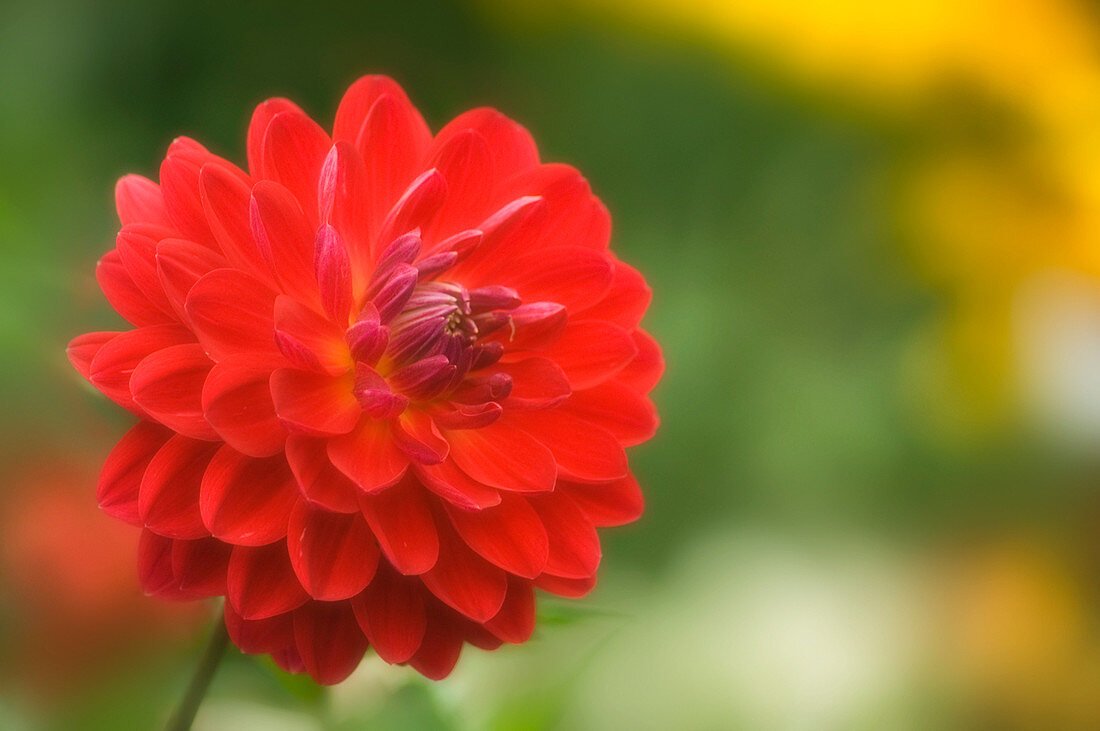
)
(490, 322)
(462, 243)
(436, 263)
(415, 376)
(484, 299)
(416, 339)
(462, 364)
(367, 338)
(484, 355)
(500, 385)
(395, 292)
(402, 250)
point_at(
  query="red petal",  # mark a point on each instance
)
(504, 457)
(232, 312)
(608, 504)
(260, 636)
(574, 276)
(574, 545)
(512, 148)
(124, 295)
(440, 648)
(479, 637)
(200, 566)
(466, 164)
(320, 483)
(246, 501)
(515, 622)
(329, 640)
(168, 385)
(391, 613)
(465, 581)
(415, 208)
(344, 203)
(332, 265)
(261, 583)
(368, 455)
(507, 233)
(452, 484)
(334, 555)
(361, 97)
(225, 200)
(169, 498)
(417, 436)
(285, 238)
(626, 301)
(294, 148)
(139, 200)
(570, 588)
(236, 400)
(180, 264)
(308, 340)
(289, 660)
(112, 367)
(509, 535)
(392, 141)
(179, 182)
(533, 326)
(155, 572)
(403, 525)
(257, 128)
(313, 403)
(537, 383)
(83, 348)
(592, 351)
(137, 246)
(643, 373)
(618, 408)
(574, 216)
(582, 450)
(120, 479)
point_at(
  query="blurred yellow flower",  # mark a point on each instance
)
(893, 51)
(984, 212)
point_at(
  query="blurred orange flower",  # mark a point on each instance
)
(69, 578)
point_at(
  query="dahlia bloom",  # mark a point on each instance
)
(384, 382)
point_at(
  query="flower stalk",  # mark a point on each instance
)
(212, 655)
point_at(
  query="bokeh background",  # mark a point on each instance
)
(873, 233)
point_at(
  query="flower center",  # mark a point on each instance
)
(418, 339)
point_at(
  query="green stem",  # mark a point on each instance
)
(200, 682)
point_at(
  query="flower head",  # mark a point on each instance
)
(384, 382)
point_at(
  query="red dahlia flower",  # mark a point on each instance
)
(384, 382)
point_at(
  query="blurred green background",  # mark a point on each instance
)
(873, 238)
